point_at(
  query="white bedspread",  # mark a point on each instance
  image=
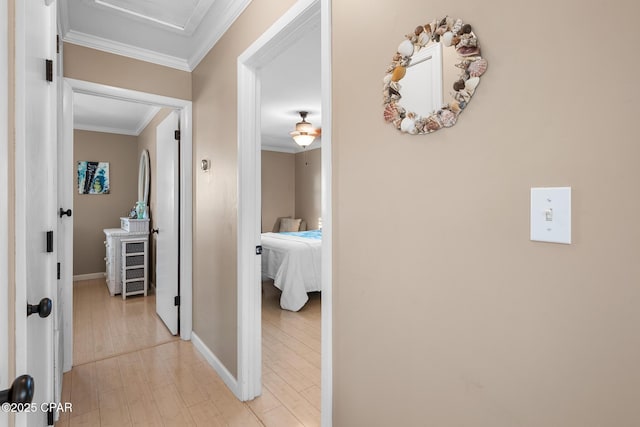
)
(294, 264)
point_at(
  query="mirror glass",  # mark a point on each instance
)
(432, 76)
(143, 178)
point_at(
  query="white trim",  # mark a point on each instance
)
(123, 49)
(186, 181)
(4, 207)
(282, 34)
(279, 149)
(106, 129)
(90, 276)
(326, 370)
(215, 363)
(63, 16)
(147, 119)
(227, 17)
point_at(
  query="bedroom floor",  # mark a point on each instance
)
(148, 377)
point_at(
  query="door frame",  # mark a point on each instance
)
(186, 188)
(282, 34)
(5, 381)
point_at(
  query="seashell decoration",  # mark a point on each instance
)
(453, 34)
(477, 67)
(406, 48)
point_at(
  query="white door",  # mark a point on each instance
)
(36, 199)
(166, 221)
(63, 320)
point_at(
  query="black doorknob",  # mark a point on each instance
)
(63, 212)
(21, 391)
(43, 309)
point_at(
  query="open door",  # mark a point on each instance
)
(36, 201)
(166, 220)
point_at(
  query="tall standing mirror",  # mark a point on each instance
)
(143, 178)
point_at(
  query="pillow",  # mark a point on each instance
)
(276, 225)
(288, 224)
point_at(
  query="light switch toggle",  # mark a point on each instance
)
(548, 214)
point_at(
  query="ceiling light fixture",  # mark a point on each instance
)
(304, 133)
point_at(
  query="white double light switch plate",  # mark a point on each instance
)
(551, 214)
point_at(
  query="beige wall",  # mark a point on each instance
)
(83, 63)
(308, 187)
(215, 192)
(278, 187)
(147, 141)
(93, 213)
(457, 319)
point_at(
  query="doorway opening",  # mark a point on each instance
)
(285, 32)
(165, 106)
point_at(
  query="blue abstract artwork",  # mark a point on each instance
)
(93, 177)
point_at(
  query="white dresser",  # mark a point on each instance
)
(113, 260)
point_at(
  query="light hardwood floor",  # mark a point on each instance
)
(130, 371)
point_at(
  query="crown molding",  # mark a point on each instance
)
(147, 119)
(228, 16)
(122, 49)
(105, 129)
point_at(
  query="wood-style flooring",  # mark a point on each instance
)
(128, 370)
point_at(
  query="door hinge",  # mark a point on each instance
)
(176, 300)
(176, 135)
(49, 69)
(49, 241)
(58, 271)
(57, 43)
(50, 420)
(259, 250)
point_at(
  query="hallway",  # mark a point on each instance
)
(130, 371)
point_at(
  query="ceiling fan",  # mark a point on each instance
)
(305, 133)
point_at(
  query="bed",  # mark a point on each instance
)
(293, 261)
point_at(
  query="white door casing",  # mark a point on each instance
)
(5, 380)
(184, 108)
(35, 199)
(166, 221)
(276, 39)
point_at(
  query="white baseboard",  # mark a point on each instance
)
(216, 364)
(89, 276)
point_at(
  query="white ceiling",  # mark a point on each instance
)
(101, 114)
(174, 33)
(178, 34)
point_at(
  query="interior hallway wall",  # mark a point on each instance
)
(309, 187)
(278, 187)
(83, 63)
(94, 212)
(457, 318)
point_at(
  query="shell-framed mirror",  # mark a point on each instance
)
(432, 76)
